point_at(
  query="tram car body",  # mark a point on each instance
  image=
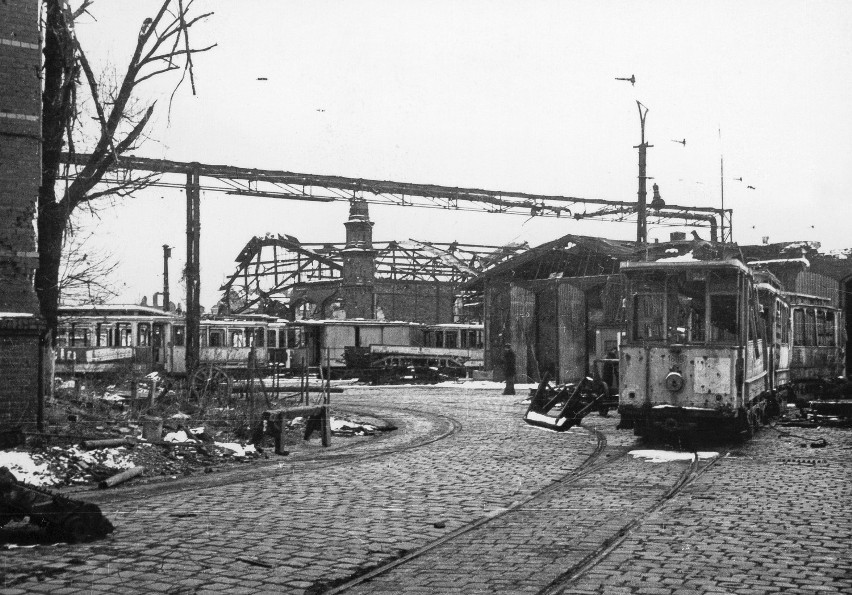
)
(446, 351)
(113, 338)
(817, 350)
(696, 354)
(135, 339)
(354, 347)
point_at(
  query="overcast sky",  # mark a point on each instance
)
(502, 95)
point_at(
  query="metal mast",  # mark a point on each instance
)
(642, 219)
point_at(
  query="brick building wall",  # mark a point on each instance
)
(20, 174)
(429, 302)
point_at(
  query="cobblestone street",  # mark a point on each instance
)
(465, 497)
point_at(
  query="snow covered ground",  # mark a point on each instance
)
(48, 469)
(667, 456)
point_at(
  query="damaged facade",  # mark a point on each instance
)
(410, 281)
(558, 305)
(20, 175)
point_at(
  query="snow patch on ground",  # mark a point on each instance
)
(24, 468)
(667, 456)
(343, 424)
(481, 384)
(36, 469)
(179, 436)
(238, 449)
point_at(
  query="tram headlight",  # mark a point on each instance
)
(674, 382)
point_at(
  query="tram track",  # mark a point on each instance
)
(590, 465)
(561, 584)
(596, 462)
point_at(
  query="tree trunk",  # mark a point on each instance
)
(52, 219)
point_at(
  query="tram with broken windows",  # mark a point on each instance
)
(98, 339)
(707, 344)
(817, 356)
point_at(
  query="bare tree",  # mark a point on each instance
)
(85, 272)
(162, 47)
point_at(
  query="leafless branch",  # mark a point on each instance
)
(86, 272)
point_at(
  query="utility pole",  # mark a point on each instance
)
(722, 181)
(642, 219)
(167, 252)
(193, 269)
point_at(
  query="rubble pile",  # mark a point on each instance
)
(95, 433)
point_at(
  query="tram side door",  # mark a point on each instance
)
(158, 353)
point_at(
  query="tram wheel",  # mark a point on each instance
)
(210, 385)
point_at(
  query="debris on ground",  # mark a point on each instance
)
(93, 434)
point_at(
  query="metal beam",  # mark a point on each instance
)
(289, 185)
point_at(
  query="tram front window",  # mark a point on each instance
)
(687, 304)
(648, 316)
(723, 318)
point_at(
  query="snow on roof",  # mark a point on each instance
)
(16, 315)
(800, 260)
(688, 257)
(801, 245)
(350, 321)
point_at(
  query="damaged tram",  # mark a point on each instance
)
(707, 343)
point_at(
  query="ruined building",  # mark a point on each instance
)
(20, 175)
(409, 280)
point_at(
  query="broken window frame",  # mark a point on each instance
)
(179, 336)
(653, 291)
(216, 337)
(143, 334)
(694, 328)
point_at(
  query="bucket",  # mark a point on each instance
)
(152, 428)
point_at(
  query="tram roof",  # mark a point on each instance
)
(354, 321)
(683, 264)
(115, 309)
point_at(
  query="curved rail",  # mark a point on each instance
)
(590, 465)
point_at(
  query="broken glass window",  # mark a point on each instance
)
(724, 325)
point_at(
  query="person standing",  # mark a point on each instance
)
(509, 370)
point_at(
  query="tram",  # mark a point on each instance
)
(98, 339)
(704, 349)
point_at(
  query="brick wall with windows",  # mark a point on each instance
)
(20, 174)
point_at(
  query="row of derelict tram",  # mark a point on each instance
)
(679, 336)
(682, 336)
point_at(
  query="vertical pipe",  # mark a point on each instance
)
(167, 252)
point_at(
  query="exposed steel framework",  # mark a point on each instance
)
(240, 181)
(270, 267)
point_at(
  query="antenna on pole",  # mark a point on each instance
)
(642, 219)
